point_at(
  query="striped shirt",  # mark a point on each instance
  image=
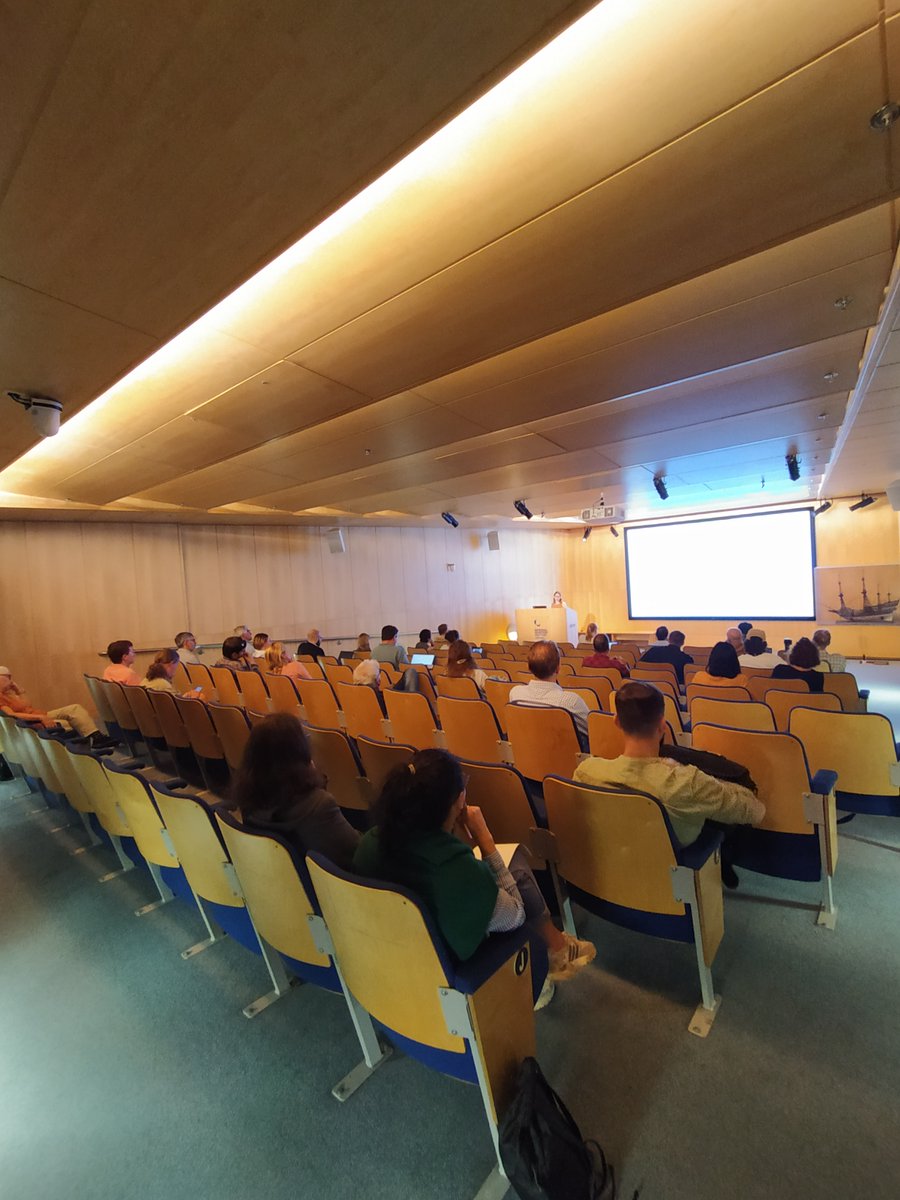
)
(547, 694)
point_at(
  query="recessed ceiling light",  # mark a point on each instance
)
(843, 302)
(830, 376)
(885, 117)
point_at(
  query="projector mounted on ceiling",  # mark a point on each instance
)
(603, 513)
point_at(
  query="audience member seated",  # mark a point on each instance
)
(424, 642)
(235, 656)
(735, 638)
(278, 789)
(601, 656)
(423, 838)
(723, 668)
(161, 672)
(670, 652)
(368, 674)
(261, 644)
(312, 645)
(441, 635)
(186, 645)
(544, 691)
(388, 651)
(687, 793)
(662, 637)
(827, 661)
(121, 656)
(363, 644)
(591, 631)
(745, 627)
(451, 636)
(279, 661)
(461, 665)
(71, 716)
(242, 631)
(802, 664)
(757, 654)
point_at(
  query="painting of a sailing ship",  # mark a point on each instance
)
(859, 595)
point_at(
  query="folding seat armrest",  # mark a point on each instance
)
(488, 959)
(695, 855)
(823, 782)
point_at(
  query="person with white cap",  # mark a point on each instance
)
(71, 716)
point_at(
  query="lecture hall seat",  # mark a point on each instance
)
(860, 747)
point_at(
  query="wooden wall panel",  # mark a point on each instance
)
(77, 586)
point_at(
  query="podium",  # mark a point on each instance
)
(555, 624)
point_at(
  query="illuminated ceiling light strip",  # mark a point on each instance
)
(442, 154)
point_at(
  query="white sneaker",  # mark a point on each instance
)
(571, 958)
(548, 991)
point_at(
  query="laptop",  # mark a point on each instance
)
(423, 660)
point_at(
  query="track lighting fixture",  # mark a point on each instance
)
(793, 465)
(659, 482)
(613, 531)
(586, 534)
(521, 507)
(823, 507)
(863, 502)
(450, 519)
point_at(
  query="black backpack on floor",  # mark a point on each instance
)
(543, 1153)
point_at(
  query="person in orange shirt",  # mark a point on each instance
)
(71, 716)
(723, 668)
(121, 656)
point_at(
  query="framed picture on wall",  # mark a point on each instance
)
(860, 595)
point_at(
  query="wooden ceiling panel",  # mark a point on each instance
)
(795, 316)
(214, 486)
(582, 125)
(844, 242)
(338, 89)
(799, 154)
(53, 349)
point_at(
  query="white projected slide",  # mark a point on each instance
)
(758, 567)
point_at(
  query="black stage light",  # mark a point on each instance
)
(521, 507)
(659, 482)
(450, 519)
(586, 534)
(793, 465)
(863, 502)
(613, 531)
(823, 507)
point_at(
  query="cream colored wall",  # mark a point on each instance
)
(594, 581)
(67, 589)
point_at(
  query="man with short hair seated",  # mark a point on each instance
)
(689, 796)
(545, 692)
(662, 636)
(186, 645)
(757, 654)
(671, 652)
(368, 674)
(827, 661)
(389, 652)
(121, 656)
(601, 657)
(312, 646)
(234, 655)
(14, 701)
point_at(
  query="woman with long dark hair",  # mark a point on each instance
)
(423, 840)
(279, 789)
(722, 669)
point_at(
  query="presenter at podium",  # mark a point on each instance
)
(557, 600)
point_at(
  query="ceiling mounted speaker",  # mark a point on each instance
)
(336, 541)
(493, 540)
(893, 495)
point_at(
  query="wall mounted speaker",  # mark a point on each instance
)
(493, 540)
(336, 541)
(893, 495)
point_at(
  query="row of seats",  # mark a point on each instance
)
(373, 943)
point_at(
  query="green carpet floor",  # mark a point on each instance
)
(128, 1072)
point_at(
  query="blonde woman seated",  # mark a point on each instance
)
(461, 665)
(281, 662)
(723, 668)
(368, 674)
(161, 672)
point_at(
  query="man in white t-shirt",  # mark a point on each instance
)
(756, 652)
